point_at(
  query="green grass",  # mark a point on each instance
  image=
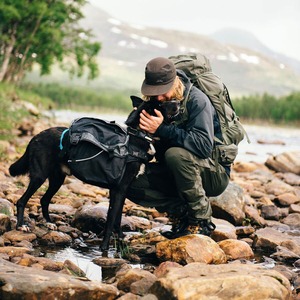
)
(77, 98)
(55, 96)
(12, 109)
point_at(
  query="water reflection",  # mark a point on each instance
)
(288, 140)
(82, 260)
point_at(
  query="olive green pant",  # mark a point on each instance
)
(182, 184)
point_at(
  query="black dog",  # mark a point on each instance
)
(42, 161)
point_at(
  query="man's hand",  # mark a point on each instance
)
(150, 123)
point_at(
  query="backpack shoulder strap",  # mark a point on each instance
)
(183, 111)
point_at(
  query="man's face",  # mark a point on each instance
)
(165, 97)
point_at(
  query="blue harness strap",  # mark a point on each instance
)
(61, 138)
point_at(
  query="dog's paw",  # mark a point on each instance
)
(24, 228)
(51, 226)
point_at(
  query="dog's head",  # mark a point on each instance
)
(169, 109)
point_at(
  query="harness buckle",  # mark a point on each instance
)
(139, 134)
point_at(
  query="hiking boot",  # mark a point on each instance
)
(178, 224)
(204, 227)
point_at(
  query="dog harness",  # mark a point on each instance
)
(97, 151)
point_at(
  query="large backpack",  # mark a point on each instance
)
(197, 67)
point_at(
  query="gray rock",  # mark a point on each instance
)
(5, 223)
(230, 204)
(6, 207)
(225, 281)
(270, 238)
(90, 218)
(285, 162)
(19, 282)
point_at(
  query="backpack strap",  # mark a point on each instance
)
(183, 110)
(222, 102)
(245, 132)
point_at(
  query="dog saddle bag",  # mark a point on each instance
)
(97, 151)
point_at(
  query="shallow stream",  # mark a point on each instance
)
(82, 259)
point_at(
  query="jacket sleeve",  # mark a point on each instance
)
(197, 134)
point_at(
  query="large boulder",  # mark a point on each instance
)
(90, 218)
(285, 162)
(270, 238)
(18, 282)
(6, 207)
(235, 249)
(230, 204)
(224, 281)
(191, 248)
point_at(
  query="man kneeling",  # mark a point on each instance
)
(183, 175)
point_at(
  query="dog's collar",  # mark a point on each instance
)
(62, 138)
(139, 134)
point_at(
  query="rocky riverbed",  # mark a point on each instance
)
(254, 253)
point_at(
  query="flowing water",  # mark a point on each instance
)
(276, 140)
(82, 259)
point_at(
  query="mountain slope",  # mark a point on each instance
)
(126, 48)
(247, 40)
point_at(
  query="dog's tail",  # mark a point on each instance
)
(21, 166)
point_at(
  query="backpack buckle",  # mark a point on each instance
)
(75, 138)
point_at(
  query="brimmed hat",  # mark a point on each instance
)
(160, 74)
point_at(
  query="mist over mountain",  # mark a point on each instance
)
(245, 65)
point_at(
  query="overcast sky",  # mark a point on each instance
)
(276, 23)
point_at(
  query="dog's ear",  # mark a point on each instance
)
(138, 104)
(136, 101)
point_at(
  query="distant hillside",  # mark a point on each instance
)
(126, 48)
(246, 39)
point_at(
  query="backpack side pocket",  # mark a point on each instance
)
(225, 154)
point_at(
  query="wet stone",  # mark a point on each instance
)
(244, 230)
(56, 238)
(224, 230)
(292, 220)
(270, 212)
(287, 199)
(294, 208)
(283, 254)
(235, 249)
(15, 236)
(191, 248)
(5, 223)
(6, 207)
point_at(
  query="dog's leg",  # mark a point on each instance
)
(55, 182)
(117, 199)
(34, 184)
(117, 227)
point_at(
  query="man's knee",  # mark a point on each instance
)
(176, 155)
